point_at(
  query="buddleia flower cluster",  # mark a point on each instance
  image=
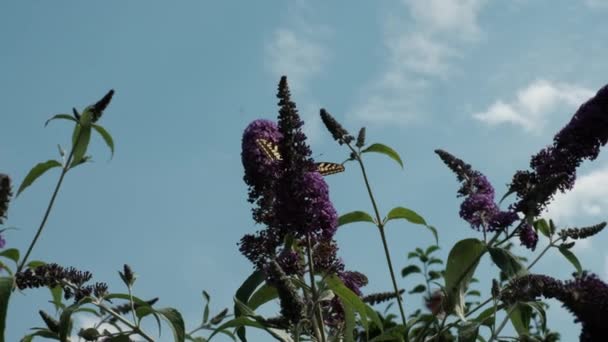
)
(5, 197)
(290, 199)
(71, 280)
(479, 208)
(554, 167)
(585, 296)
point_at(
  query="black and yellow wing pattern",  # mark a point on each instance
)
(271, 151)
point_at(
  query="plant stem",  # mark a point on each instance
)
(502, 324)
(125, 321)
(382, 235)
(64, 171)
(318, 314)
(540, 255)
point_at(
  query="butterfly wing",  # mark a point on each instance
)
(270, 149)
(327, 168)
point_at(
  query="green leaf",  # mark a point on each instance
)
(405, 213)
(381, 148)
(35, 263)
(60, 116)
(11, 253)
(418, 289)
(355, 216)
(6, 287)
(207, 298)
(467, 332)
(434, 275)
(106, 137)
(350, 322)
(349, 297)
(462, 262)
(57, 295)
(520, 318)
(412, 217)
(486, 317)
(474, 293)
(393, 334)
(36, 172)
(176, 322)
(435, 261)
(244, 321)
(243, 294)
(431, 249)
(572, 258)
(65, 322)
(263, 295)
(507, 262)
(542, 226)
(81, 144)
(409, 270)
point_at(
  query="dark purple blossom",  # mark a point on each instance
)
(5, 195)
(353, 280)
(586, 296)
(528, 236)
(478, 208)
(554, 167)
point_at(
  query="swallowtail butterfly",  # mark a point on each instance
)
(271, 151)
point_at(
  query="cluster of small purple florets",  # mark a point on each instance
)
(291, 199)
(479, 207)
(586, 296)
(554, 167)
(5, 197)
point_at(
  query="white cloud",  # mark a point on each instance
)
(533, 104)
(451, 16)
(587, 199)
(417, 55)
(596, 4)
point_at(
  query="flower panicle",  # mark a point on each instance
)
(339, 133)
(361, 138)
(100, 106)
(581, 233)
(70, 279)
(5, 195)
(292, 306)
(380, 297)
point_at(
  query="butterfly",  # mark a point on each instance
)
(271, 151)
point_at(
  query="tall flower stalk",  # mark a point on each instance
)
(341, 135)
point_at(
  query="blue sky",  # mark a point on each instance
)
(490, 82)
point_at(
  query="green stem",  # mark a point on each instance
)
(318, 314)
(382, 235)
(64, 171)
(125, 321)
(502, 324)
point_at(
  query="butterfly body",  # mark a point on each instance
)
(271, 151)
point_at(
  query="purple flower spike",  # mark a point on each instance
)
(528, 237)
(259, 169)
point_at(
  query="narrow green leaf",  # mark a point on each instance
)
(507, 262)
(347, 296)
(474, 293)
(572, 258)
(409, 270)
(520, 318)
(57, 295)
(243, 294)
(60, 116)
(405, 213)
(435, 261)
(486, 317)
(6, 287)
(418, 289)
(81, 145)
(355, 216)
(412, 217)
(350, 322)
(35, 263)
(434, 275)
(36, 172)
(381, 148)
(65, 322)
(176, 322)
(462, 262)
(467, 332)
(11, 253)
(263, 295)
(106, 137)
(431, 249)
(393, 334)
(207, 298)
(542, 226)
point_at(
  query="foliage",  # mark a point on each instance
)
(295, 260)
